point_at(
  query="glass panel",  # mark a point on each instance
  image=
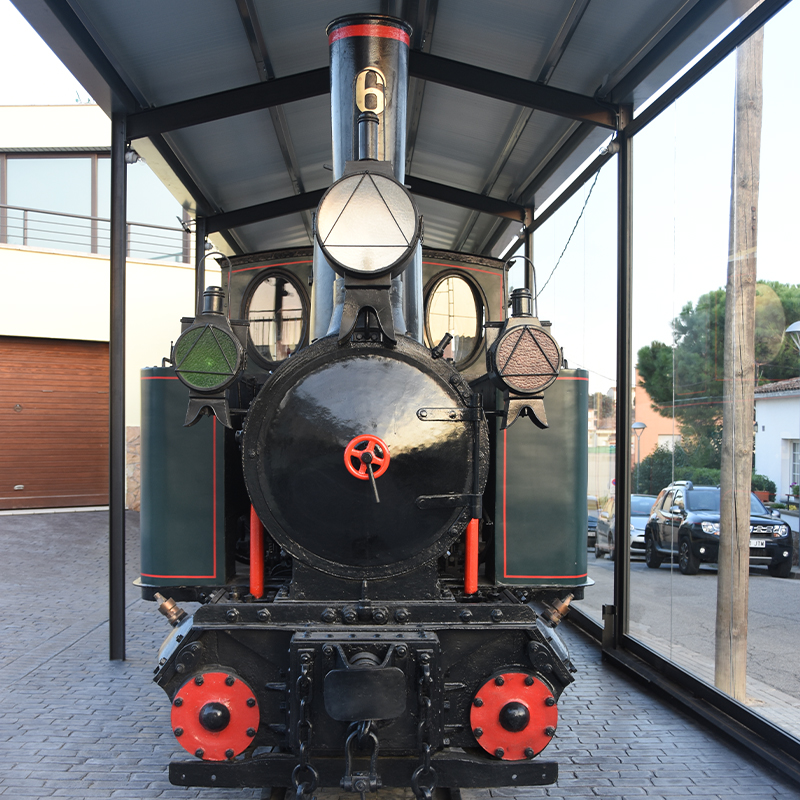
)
(52, 185)
(149, 204)
(574, 254)
(454, 309)
(712, 267)
(277, 320)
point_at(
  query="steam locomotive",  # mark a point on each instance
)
(382, 522)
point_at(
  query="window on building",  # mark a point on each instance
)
(62, 201)
(795, 462)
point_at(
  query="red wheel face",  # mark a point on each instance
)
(216, 718)
(363, 450)
(514, 716)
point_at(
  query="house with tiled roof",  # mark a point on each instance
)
(778, 433)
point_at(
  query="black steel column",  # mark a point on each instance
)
(624, 368)
(199, 264)
(116, 350)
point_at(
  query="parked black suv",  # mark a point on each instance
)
(685, 520)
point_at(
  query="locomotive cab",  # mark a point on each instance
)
(367, 516)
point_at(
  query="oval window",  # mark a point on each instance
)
(455, 307)
(277, 316)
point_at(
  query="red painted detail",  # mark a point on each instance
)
(256, 555)
(366, 443)
(379, 31)
(213, 689)
(471, 558)
(493, 698)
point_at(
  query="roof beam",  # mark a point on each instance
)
(507, 88)
(221, 105)
(470, 200)
(227, 220)
(510, 89)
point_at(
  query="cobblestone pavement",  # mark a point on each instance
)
(75, 725)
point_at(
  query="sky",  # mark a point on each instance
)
(682, 165)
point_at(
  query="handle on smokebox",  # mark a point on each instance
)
(471, 558)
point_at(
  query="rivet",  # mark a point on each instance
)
(263, 614)
(199, 752)
(178, 731)
(499, 752)
(477, 702)
(251, 732)
(466, 615)
(178, 701)
(497, 614)
(199, 680)
(229, 753)
(529, 753)
(423, 412)
(550, 701)
(230, 680)
(305, 658)
(477, 733)
(328, 615)
(549, 731)
(529, 680)
(251, 701)
(499, 680)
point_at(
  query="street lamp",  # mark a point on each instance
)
(794, 332)
(637, 428)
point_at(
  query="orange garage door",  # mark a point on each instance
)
(53, 423)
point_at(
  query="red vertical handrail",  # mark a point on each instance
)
(471, 558)
(256, 555)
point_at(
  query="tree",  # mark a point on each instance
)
(687, 378)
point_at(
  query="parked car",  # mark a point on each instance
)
(605, 541)
(594, 512)
(685, 522)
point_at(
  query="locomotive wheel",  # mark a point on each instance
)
(514, 716)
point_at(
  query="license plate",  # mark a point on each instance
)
(758, 543)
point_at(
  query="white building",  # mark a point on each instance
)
(54, 329)
(778, 433)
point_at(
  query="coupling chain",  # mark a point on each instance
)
(362, 782)
(423, 781)
(304, 776)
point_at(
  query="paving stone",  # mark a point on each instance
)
(77, 726)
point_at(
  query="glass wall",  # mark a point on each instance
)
(574, 254)
(717, 401)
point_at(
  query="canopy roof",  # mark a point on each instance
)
(228, 101)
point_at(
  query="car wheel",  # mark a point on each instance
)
(651, 556)
(782, 570)
(688, 563)
(598, 553)
(612, 553)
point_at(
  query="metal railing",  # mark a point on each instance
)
(35, 227)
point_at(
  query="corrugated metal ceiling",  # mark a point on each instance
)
(152, 54)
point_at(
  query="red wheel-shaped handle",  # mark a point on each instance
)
(363, 451)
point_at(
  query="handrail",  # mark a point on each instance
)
(151, 241)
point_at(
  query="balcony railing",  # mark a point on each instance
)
(35, 227)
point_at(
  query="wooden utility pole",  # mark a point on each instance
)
(737, 439)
